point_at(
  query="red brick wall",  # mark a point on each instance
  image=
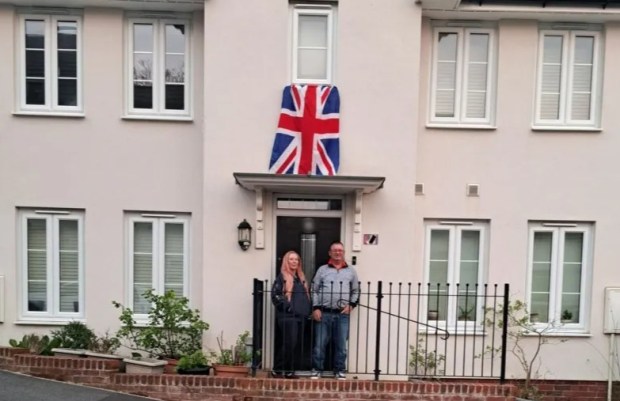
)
(104, 374)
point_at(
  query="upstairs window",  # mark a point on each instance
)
(158, 257)
(52, 267)
(50, 66)
(462, 89)
(567, 93)
(158, 68)
(560, 271)
(313, 44)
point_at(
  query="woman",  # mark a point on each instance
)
(291, 298)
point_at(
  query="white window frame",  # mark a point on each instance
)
(558, 229)
(460, 103)
(52, 218)
(455, 228)
(159, 71)
(302, 10)
(567, 69)
(51, 65)
(158, 220)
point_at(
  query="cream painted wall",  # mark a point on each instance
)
(378, 113)
(527, 175)
(101, 163)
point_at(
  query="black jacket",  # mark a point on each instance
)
(298, 306)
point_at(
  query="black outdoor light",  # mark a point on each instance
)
(244, 230)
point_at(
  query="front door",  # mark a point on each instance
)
(310, 237)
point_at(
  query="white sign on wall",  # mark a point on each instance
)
(612, 310)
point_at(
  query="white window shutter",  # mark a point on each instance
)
(142, 265)
(37, 264)
(582, 78)
(446, 69)
(551, 77)
(174, 257)
(68, 250)
(477, 75)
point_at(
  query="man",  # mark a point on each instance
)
(335, 292)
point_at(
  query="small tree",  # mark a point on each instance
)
(520, 327)
(173, 328)
(424, 362)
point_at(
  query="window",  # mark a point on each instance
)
(313, 44)
(568, 79)
(559, 266)
(455, 270)
(158, 257)
(52, 264)
(462, 76)
(50, 64)
(158, 68)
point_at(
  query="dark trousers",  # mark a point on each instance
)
(287, 357)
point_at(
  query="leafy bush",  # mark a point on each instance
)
(236, 355)
(423, 362)
(173, 328)
(105, 344)
(196, 360)
(75, 335)
(36, 345)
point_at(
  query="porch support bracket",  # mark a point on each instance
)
(259, 242)
(357, 221)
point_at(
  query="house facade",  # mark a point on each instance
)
(477, 145)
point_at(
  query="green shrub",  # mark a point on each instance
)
(37, 345)
(105, 344)
(75, 335)
(236, 355)
(173, 328)
(196, 360)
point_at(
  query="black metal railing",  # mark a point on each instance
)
(407, 329)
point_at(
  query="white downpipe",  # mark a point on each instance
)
(610, 365)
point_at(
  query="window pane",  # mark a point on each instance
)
(445, 81)
(35, 34)
(312, 31)
(67, 35)
(550, 107)
(143, 38)
(37, 264)
(142, 66)
(440, 244)
(584, 49)
(541, 274)
(540, 306)
(175, 39)
(573, 247)
(35, 91)
(446, 47)
(552, 49)
(35, 63)
(312, 64)
(69, 297)
(143, 95)
(175, 97)
(175, 68)
(142, 264)
(67, 92)
(67, 64)
(174, 255)
(470, 258)
(479, 47)
(552, 78)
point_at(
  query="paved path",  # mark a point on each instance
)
(14, 387)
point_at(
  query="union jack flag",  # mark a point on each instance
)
(307, 138)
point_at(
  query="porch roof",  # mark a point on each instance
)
(309, 183)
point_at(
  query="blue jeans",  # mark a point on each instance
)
(334, 328)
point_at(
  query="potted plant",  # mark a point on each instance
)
(567, 316)
(194, 364)
(74, 339)
(466, 313)
(35, 344)
(432, 314)
(172, 329)
(233, 361)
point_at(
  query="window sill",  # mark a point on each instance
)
(563, 333)
(458, 126)
(62, 114)
(48, 321)
(157, 118)
(543, 128)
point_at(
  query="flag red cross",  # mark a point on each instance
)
(310, 125)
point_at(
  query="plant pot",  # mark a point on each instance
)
(432, 315)
(70, 352)
(231, 370)
(171, 367)
(202, 370)
(144, 366)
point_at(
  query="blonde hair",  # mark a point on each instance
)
(288, 275)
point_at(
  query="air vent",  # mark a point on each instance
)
(473, 190)
(419, 189)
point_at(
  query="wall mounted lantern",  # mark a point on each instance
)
(244, 231)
